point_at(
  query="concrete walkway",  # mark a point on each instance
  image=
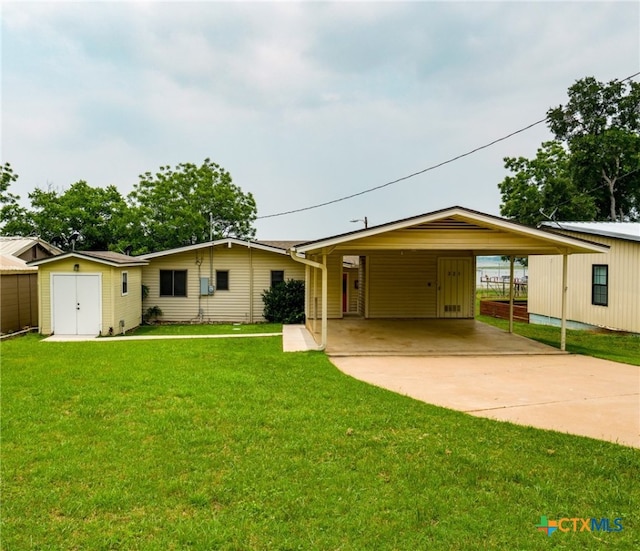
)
(566, 393)
(296, 338)
(81, 338)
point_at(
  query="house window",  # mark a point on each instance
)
(125, 283)
(600, 284)
(222, 280)
(277, 277)
(173, 283)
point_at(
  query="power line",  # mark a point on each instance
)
(428, 169)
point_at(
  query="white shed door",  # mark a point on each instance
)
(455, 287)
(76, 304)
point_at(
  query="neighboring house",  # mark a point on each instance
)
(603, 289)
(89, 293)
(217, 281)
(419, 267)
(19, 282)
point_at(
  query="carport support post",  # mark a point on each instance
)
(323, 268)
(563, 323)
(325, 301)
(511, 259)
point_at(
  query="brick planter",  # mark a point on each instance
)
(500, 309)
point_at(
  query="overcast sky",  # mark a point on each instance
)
(301, 102)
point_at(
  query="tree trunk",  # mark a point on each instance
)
(611, 184)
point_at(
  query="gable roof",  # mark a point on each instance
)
(15, 246)
(629, 231)
(279, 247)
(455, 228)
(103, 257)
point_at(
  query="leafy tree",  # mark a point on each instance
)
(541, 188)
(601, 126)
(187, 205)
(82, 217)
(284, 303)
(13, 217)
(592, 169)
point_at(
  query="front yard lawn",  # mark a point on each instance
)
(231, 444)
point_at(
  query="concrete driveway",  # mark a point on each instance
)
(567, 393)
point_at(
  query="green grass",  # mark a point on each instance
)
(234, 445)
(205, 329)
(609, 345)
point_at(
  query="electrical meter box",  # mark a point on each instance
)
(205, 288)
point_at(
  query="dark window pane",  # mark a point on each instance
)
(277, 276)
(222, 280)
(180, 283)
(166, 283)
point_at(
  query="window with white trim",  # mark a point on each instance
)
(600, 285)
(125, 283)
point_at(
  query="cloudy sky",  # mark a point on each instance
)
(301, 102)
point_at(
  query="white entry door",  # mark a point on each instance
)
(455, 288)
(76, 304)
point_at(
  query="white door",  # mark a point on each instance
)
(455, 288)
(76, 304)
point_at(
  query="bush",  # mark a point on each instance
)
(284, 303)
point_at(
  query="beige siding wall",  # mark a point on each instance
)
(623, 310)
(404, 283)
(334, 286)
(249, 275)
(393, 284)
(126, 307)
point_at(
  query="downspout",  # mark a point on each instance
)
(323, 268)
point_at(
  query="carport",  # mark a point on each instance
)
(417, 270)
(425, 337)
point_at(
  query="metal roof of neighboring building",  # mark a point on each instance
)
(619, 230)
(10, 263)
(17, 245)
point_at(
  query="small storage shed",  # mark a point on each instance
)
(89, 293)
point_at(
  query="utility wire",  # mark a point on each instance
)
(428, 169)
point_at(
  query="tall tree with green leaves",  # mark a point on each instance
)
(542, 188)
(82, 217)
(188, 204)
(13, 217)
(600, 124)
(591, 171)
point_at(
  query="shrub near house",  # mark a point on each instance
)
(284, 303)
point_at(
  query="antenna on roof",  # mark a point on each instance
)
(552, 216)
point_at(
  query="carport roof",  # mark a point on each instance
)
(455, 228)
